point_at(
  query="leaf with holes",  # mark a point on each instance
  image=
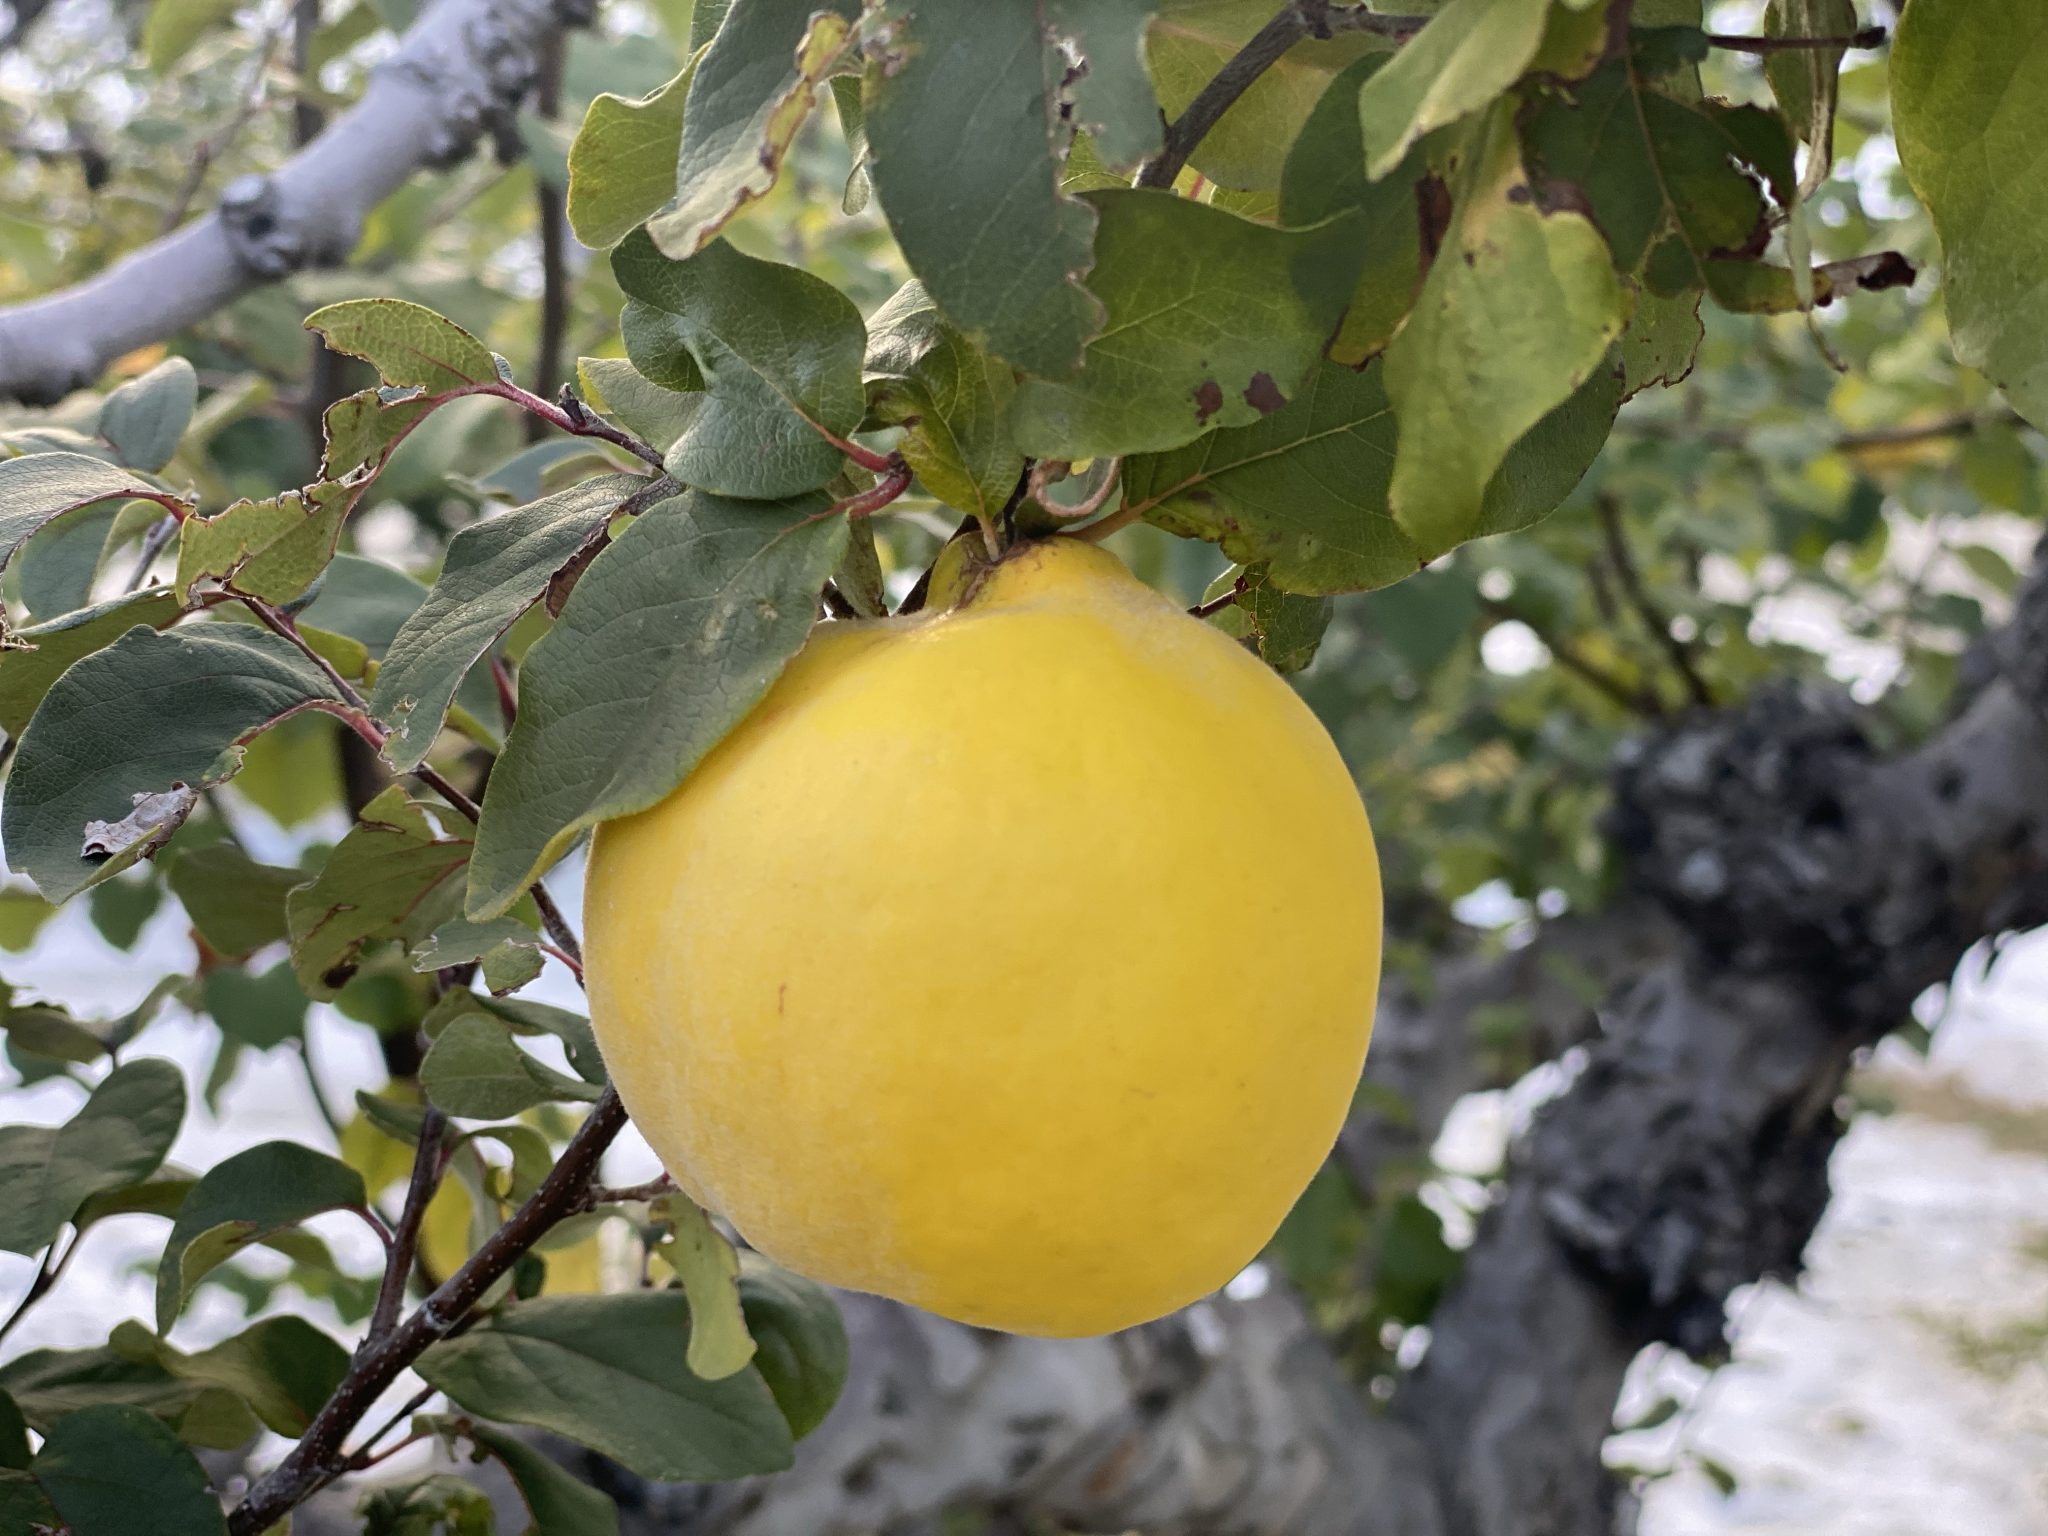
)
(668, 640)
(150, 712)
(271, 549)
(965, 141)
(408, 344)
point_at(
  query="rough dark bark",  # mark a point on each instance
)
(460, 73)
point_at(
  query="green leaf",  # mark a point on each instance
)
(495, 571)
(1967, 78)
(507, 948)
(45, 1030)
(558, 1504)
(800, 1340)
(22, 915)
(260, 1012)
(284, 1368)
(1220, 334)
(361, 429)
(1641, 162)
(1471, 51)
(49, 1384)
(1804, 79)
(609, 1372)
(242, 1201)
(114, 1471)
(175, 25)
(236, 904)
(36, 657)
(119, 1137)
(951, 398)
(651, 413)
(1323, 177)
(364, 599)
(528, 1017)
(119, 908)
(670, 637)
(437, 1505)
(622, 165)
(709, 1268)
(1517, 312)
(125, 728)
(751, 93)
(1662, 339)
(23, 1508)
(37, 487)
(408, 344)
(59, 565)
(476, 1072)
(778, 352)
(393, 877)
(1305, 492)
(1286, 627)
(965, 139)
(144, 419)
(157, 1196)
(1192, 39)
(1112, 100)
(14, 1452)
(271, 549)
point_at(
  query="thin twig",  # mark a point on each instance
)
(1652, 615)
(653, 1189)
(316, 1459)
(1290, 25)
(47, 1275)
(429, 1158)
(321, 1105)
(553, 220)
(558, 928)
(1216, 605)
(209, 149)
(874, 463)
(1960, 424)
(411, 1406)
(1637, 700)
(153, 543)
(1868, 37)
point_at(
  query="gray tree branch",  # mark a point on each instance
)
(460, 71)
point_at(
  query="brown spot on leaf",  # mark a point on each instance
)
(1520, 193)
(1433, 204)
(1263, 395)
(1208, 399)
